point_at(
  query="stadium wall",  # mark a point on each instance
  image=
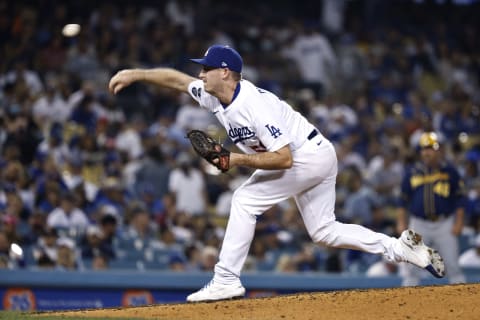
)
(63, 290)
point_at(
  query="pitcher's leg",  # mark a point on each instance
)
(317, 205)
(357, 237)
(249, 201)
(317, 208)
(236, 243)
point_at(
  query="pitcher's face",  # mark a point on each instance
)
(212, 78)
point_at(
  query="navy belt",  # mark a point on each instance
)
(312, 134)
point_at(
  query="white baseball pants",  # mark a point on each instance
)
(311, 181)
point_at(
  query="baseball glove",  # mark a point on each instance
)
(210, 150)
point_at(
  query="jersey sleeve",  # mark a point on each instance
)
(204, 99)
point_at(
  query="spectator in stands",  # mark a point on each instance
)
(333, 261)
(4, 261)
(22, 73)
(473, 205)
(45, 251)
(192, 253)
(176, 263)
(47, 176)
(53, 144)
(84, 113)
(286, 264)
(108, 227)
(44, 262)
(153, 173)
(315, 58)
(362, 199)
(67, 216)
(93, 244)
(209, 256)
(471, 257)
(82, 59)
(83, 193)
(258, 258)
(72, 173)
(66, 254)
(23, 133)
(139, 229)
(14, 177)
(51, 107)
(51, 200)
(36, 227)
(384, 173)
(100, 262)
(4, 243)
(8, 225)
(187, 183)
(306, 260)
(189, 116)
(15, 206)
(108, 111)
(382, 268)
(181, 227)
(112, 194)
(129, 140)
(53, 56)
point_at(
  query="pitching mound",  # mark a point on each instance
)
(432, 302)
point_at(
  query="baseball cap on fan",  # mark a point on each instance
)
(220, 56)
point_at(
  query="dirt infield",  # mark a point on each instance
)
(431, 302)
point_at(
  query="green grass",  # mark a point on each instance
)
(17, 315)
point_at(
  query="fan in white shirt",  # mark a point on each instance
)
(67, 215)
(471, 257)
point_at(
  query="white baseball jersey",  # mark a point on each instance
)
(256, 120)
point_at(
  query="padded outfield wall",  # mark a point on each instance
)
(63, 290)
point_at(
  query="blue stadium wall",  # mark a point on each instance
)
(63, 290)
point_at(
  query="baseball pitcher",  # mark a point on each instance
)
(291, 157)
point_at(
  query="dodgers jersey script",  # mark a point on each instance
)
(256, 120)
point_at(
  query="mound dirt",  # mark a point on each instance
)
(430, 302)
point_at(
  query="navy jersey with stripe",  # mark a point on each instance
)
(428, 193)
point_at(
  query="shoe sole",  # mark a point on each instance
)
(435, 264)
(219, 300)
(239, 295)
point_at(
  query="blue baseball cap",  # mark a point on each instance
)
(220, 56)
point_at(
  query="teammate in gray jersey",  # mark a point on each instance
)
(292, 159)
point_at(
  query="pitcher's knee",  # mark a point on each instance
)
(326, 235)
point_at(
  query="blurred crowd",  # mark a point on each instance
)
(89, 180)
